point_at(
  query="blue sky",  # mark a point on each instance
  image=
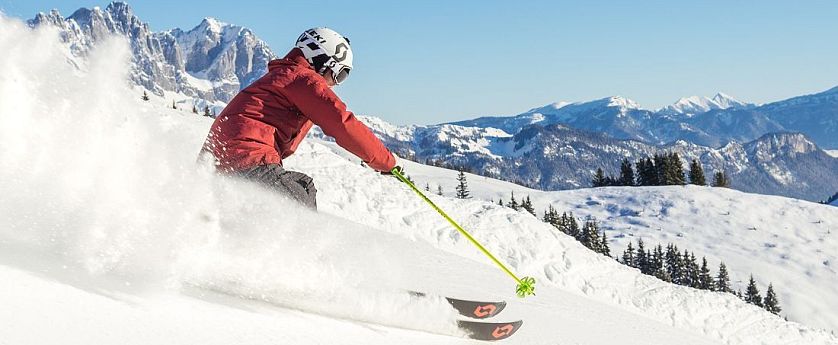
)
(435, 61)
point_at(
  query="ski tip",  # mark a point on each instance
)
(490, 331)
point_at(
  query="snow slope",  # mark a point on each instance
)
(790, 242)
(111, 234)
(833, 153)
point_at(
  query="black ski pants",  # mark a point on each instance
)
(295, 185)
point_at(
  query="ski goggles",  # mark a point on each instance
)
(340, 73)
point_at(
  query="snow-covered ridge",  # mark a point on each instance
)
(690, 106)
(109, 233)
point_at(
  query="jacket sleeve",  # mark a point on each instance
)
(323, 107)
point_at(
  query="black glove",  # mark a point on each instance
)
(390, 173)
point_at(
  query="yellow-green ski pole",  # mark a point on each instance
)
(526, 285)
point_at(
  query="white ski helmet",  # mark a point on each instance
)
(326, 49)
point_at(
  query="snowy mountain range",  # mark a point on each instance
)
(557, 156)
(211, 62)
(704, 121)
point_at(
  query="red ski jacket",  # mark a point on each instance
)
(267, 120)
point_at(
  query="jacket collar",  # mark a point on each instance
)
(294, 57)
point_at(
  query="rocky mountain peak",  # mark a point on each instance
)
(725, 101)
(52, 18)
(210, 62)
(120, 9)
(788, 143)
(210, 25)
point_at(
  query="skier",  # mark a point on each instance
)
(266, 121)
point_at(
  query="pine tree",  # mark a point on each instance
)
(720, 179)
(660, 169)
(554, 217)
(705, 281)
(194, 109)
(513, 204)
(550, 215)
(207, 112)
(439, 189)
(599, 179)
(570, 226)
(642, 260)
(500, 201)
(174, 105)
(427, 187)
(645, 173)
(693, 271)
(681, 268)
(563, 224)
(722, 279)
(657, 265)
(752, 293)
(603, 246)
(673, 263)
(628, 256)
(697, 173)
(678, 169)
(590, 236)
(641, 172)
(145, 96)
(462, 186)
(626, 173)
(652, 172)
(526, 204)
(770, 302)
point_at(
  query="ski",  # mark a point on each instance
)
(473, 309)
(489, 331)
(476, 309)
